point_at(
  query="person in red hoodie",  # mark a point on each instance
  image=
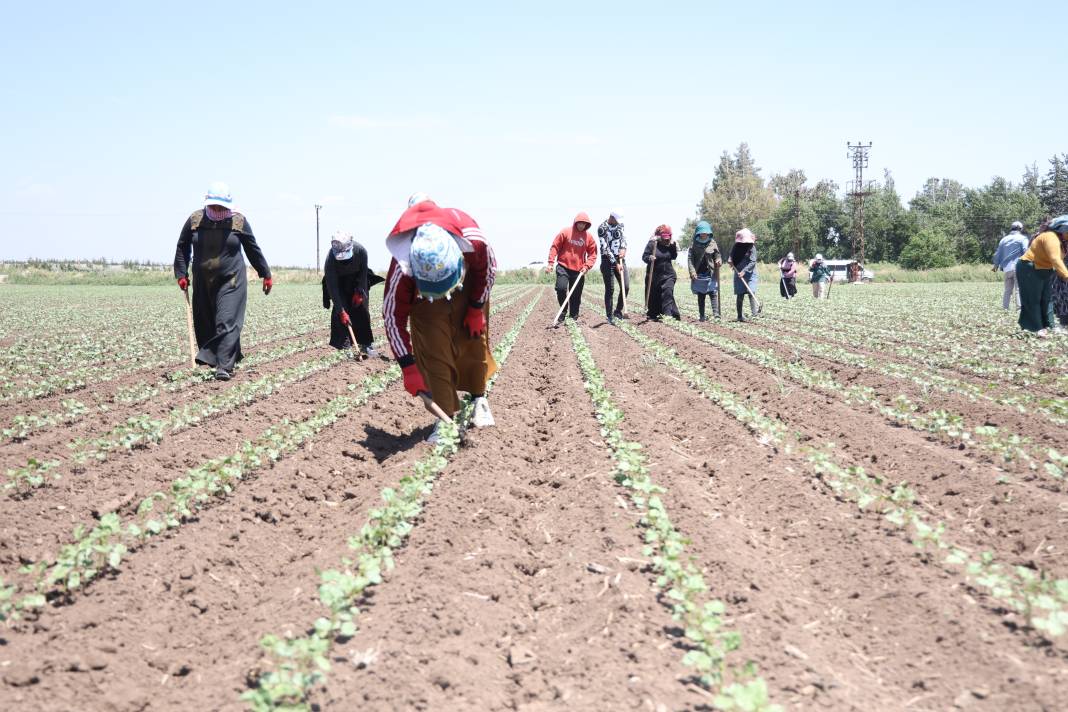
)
(574, 252)
(440, 280)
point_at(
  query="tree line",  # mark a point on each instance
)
(945, 224)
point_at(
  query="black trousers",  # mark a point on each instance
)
(564, 279)
(610, 276)
(714, 296)
(787, 287)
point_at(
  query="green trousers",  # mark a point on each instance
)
(1036, 296)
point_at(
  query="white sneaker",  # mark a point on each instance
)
(435, 434)
(482, 417)
(369, 351)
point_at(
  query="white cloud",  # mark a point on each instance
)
(358, 121)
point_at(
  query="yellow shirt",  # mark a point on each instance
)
(1045, 253)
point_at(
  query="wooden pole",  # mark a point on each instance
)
(649, 279)
(433, 407)
(189, 329)
(745, 284)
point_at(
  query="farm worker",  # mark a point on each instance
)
(788, 276)
(743, 259)
(819, 274)
(1008, 253)
(1035, 272)
(613, 266)
(215, 236)
(704, 262)
(573, 252)
(346, 281)
(660, 274)
(439, 282)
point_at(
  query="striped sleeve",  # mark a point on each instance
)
(482, 265)
(396, 306)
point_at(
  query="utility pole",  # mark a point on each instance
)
(318, 264)
(858, 190)
(797, 223)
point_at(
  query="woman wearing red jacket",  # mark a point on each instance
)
(574, 251)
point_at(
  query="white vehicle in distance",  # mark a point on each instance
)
(849, 271)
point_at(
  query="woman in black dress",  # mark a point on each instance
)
(346, 281)
(215, 236)
(660, 274)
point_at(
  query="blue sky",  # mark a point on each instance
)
(117, 116)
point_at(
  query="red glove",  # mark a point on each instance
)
(183, 283)
(267, 284)
(357, 299)
(475, 321)
(413, 380)
(345, 318)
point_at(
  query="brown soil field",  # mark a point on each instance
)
(526, 581)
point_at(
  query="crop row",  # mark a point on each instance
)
(943, 425)
(295, 665)
(678, 578)
(1053, 409)
(1039, 597)
(23, 426)
(1004, 359)
(93, 550)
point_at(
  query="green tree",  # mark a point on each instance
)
(737, 198)
(928, 249)
(1054, 190)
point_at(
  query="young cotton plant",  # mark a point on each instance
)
(681, 581)
(297, 665)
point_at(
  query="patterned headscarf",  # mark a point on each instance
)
(341, 245)
(745, 236)
(663, 231)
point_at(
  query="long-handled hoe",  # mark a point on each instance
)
(189, 329)
(567, 299)
(622, 284)
(357, 355)
(759, 306)
(649, 280)
(830, 285)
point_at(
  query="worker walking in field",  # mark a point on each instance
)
(659, 257)
(1006, 256)
(788, 276)
(439, 285)
(819, 274)
(346, 284)
(1036, 270)
(704, 262)
(613, 264)
(743, 259)
(572, 254)
(215, 235)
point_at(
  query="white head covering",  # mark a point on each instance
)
(819, 257)
(789, 255)
(219, 194)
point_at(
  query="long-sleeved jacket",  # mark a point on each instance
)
(744, 257)
(703, 259)
(216, 248)
(1009, 251)
(788, 268)
(572, 248)
(666, 253)
(819, 272)
(1045, 253)
(480, 270)
(612, 241)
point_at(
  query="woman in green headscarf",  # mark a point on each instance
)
(704, 262)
